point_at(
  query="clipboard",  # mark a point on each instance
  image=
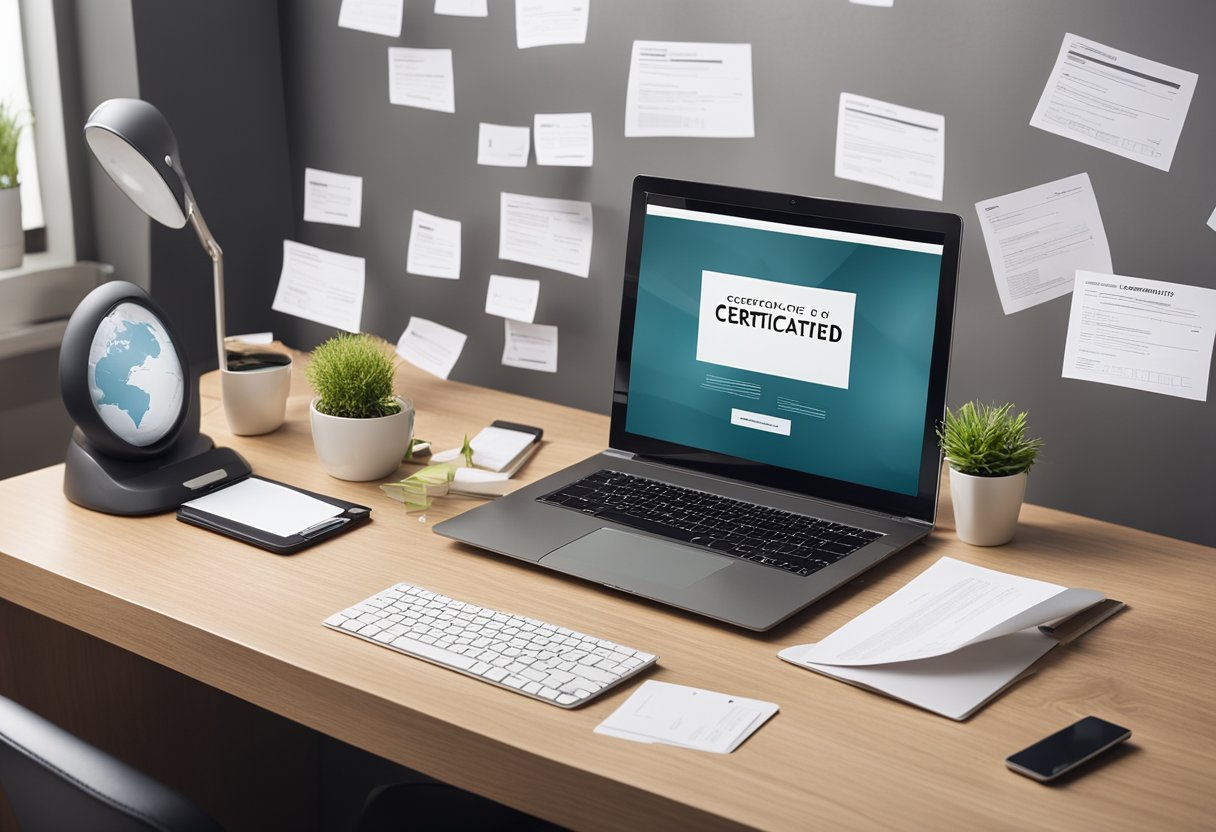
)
(226, 513)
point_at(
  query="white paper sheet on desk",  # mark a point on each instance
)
(659, 712)
(890, 146)
(1145, 334)
(421, 78)
(550, 22)
(1115, 101)
(434, 249)
(430, 346)
(690, 89)
(550, 233)
(380, 17)
(503, 145)
(268, 506)
(322, 286)
(564, 139)
(333, 198)
(512, 297)
(1038, 238)
(462, 8)
(947, 607)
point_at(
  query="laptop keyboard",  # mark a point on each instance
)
(781, 539)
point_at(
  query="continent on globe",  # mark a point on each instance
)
(132, 345)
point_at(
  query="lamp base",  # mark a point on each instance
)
(130, 487)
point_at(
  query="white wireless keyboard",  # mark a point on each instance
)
(544, 661)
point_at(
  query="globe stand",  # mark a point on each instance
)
(192, 467)
(120, 471)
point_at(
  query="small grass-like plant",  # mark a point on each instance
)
(10, 132)
(985, 440)
(353, 377)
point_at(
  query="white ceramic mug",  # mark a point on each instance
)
(255, 401)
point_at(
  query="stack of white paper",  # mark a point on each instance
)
(948, 641)
(703, 720)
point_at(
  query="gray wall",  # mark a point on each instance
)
(1135, 458)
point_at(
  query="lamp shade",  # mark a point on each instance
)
(136, 147)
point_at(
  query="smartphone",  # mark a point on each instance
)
(1064, 750)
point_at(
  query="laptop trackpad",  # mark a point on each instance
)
(634, 561)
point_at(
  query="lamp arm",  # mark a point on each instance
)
(217, 268)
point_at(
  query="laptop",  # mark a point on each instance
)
(781, 368)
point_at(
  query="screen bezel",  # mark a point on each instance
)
(900, 223)
(74, 370)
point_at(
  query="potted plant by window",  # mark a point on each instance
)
(12, 237)
(989, 457)
(360, 427)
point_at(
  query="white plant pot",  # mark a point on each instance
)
(12, 237)
(986, 508)
(362, 449)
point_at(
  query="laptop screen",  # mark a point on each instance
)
(796, 341)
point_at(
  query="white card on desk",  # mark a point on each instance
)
(496, 448)
(687, 717)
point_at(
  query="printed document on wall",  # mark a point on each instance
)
(550, 22)
(333, 198)
(512, 297)
(890, 146)
(462, 8)
(321, 286)
(550, 233)
(430, 346)
(1039, 237)
(503, 145)
(690, 89)
(530, 346)
(434, 249)
(1113, 100)
(564, 139)
(1144, 334)
(380, 17)
(421, 78)
(1212, 221)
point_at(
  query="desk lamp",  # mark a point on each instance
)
(136, 147)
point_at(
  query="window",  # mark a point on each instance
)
(15, 92)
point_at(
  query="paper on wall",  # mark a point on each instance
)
(550, 22)
(332, 198)
(550, 233)
(1113, 100)
(321, 286)
(462, 8)
(564, 139)
(430, 346)
(503, 145)
(1212, 220)
(530, 346)
(512, 297)
(421, 78)
(380, 17)
(1145, 334)
(1039, 237)
(434, 249)
(890, 146)
(690, 89)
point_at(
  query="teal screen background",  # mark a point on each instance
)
(872, 433)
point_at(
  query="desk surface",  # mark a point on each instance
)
(249, 622)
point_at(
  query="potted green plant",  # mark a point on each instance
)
(12, 237)
(989, 456)
(360, 427)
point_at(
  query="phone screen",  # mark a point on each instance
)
(1054, 755)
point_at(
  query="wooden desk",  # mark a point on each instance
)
(249, 623)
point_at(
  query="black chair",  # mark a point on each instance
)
(55, 781)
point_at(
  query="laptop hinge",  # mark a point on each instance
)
(916, 521)
(619, 454)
